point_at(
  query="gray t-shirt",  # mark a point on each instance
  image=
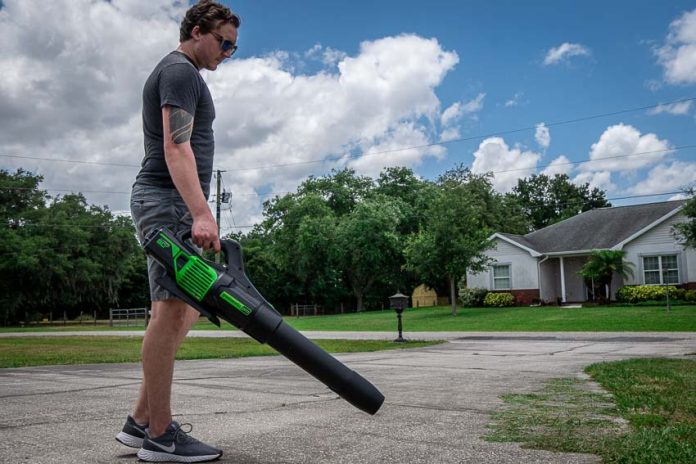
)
(175, 81)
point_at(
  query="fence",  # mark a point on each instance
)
(128, 316)
(312, 310)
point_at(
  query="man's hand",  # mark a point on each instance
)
(204, 233)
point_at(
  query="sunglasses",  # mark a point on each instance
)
(225, 45)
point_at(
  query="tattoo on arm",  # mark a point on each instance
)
(180, 125)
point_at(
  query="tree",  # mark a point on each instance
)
(686, 231)
(547, 200)
(368, 245)
(455, 235)
(601, 267)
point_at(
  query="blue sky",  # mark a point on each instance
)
(336, 80)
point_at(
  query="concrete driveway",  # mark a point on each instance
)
(266, 410)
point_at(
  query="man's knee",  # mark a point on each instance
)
(170, 312)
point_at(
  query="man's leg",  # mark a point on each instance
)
(170, 322)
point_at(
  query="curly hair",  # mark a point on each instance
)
(207, 15)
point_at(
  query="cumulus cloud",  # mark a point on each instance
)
(678, 108)
(597, 179)
(84, 69)
(560, 165)
(507, 164)
(622, 148)
(564, 53)
(678, 174)
(542, 136)
(678, 54)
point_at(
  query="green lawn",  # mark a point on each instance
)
(42, 351)
(543, 319)
(650, 416)
(613, 318)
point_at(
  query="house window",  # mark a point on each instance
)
(502, 277)
(660, 270)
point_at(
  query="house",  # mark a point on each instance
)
(543, 265)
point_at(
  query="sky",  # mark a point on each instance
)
(603, 91)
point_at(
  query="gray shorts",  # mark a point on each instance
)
(153, 207)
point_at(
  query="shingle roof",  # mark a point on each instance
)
(596, 229)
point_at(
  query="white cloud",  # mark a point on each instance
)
(666, 177)
(564, 52)
(327, 55)
(449, 134)
(597, 179)
(508, 165)
(516, 100)
(84, 69)
(679, 108)
(475, 105)
(678, 54)
(613, 150)
(560, 165)
(542, 136)
(451, 113)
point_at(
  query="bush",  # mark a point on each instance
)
(472, 297)
(690, 296)
(499, 300)
(640, 293)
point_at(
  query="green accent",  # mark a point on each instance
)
(195, 277)
(235, 303)
(163, 243)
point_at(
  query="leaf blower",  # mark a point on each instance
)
(223, 291)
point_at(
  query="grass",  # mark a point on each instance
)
(648, 417)
(522, 319)
(42, 351)
(613, 318)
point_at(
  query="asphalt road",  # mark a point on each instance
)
(266, 410)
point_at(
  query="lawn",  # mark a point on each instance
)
(648, 417)
(42, 351)
(542, 319)
(613, 318)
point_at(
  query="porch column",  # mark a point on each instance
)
(563, 291)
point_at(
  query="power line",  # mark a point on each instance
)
(394, 150)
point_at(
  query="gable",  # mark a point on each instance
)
(658, 236)
(503, 249)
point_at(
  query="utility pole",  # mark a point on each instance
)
(217, 212)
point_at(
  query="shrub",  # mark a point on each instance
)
(690, 296)
(472, 297)
(640, 293)
(499, 300)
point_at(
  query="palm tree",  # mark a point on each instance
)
(602, 265)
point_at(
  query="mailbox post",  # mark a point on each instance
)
(398, 303)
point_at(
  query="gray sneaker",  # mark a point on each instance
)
(175, 445)
(132, 434)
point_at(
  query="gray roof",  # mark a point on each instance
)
(596, 229)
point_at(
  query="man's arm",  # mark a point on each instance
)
(178, 125)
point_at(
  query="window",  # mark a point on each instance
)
(660, 270)
(502, 277)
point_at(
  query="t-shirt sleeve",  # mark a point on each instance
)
(178, 86)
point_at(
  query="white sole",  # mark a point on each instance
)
(129, 440)
(156, 456)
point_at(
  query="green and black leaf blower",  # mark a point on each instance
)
(224, 292)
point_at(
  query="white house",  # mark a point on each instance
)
(544, 264)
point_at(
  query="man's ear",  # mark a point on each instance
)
(196, 32)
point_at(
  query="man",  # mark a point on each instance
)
(171, 190)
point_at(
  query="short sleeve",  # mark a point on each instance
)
(178, 86)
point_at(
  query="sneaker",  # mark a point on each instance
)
(176, 445)
(132, 434)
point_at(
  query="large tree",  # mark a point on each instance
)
(460, 219)
(368, 245)
(546, 200)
